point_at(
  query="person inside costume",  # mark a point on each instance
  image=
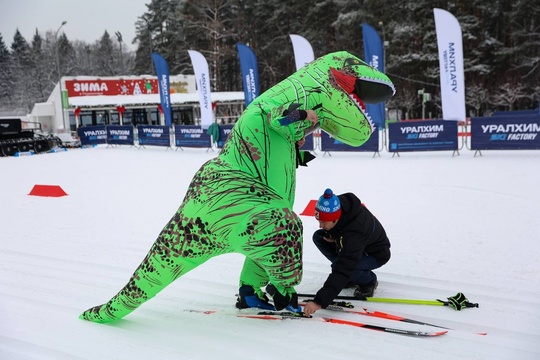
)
(354, 241)
(242, 200)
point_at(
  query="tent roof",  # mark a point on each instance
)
(127, 100)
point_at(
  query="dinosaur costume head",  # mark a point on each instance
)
(344, 83)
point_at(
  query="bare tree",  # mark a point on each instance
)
(214, 19)
(508, 95)
(476, 97)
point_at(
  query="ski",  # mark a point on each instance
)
(348, 308)
(284, 315)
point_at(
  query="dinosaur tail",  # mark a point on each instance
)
(153, 275)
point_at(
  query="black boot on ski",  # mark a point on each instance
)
(365, 291)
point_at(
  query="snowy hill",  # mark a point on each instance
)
(461, 223)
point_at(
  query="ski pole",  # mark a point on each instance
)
(388, 300)
(458, 301)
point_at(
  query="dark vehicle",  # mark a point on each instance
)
(14, 139)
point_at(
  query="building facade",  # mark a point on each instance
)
(129, 100)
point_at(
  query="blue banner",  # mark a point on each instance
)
(309, 144)
(224, 131)
(374, 56)
(154, 135)
(92, 135)
(250, 73)
(328, 143)
(164, 85)
(120, 135)
(504, 133)
(191, 136)
(427, 135)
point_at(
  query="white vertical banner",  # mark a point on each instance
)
(303, 52)
(449, 43)
(202, 77)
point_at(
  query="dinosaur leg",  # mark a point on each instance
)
(273, 250)
(178, 249)
(254, 275)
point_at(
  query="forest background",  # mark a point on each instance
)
(501, 43)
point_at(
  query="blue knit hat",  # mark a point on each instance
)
(328, 207)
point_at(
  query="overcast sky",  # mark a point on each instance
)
(87, 20)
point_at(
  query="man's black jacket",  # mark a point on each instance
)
(356, 232)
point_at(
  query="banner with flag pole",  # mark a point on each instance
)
(374, 56)
(449, 43)
(162, 71)
(303, 52)
(250, 72)
(202, 77)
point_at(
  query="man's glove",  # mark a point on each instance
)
(292, 115)
(288, 301)
(458, 301)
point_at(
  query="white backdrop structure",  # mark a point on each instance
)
(303, 52)
(452, 76)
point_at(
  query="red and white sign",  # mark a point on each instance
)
(97, 87)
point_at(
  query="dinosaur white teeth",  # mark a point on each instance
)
(379, 81)
(371, 124)
(363, 110)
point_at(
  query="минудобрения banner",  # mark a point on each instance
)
(426, 135)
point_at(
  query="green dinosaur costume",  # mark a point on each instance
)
(242, 200)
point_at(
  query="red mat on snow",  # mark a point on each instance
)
(47, 190)
(310, 208)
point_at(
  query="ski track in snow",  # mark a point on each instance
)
(453, 223)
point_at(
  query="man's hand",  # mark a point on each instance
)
(312, 116)
(311, 307)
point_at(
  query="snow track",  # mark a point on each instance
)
(59, 257)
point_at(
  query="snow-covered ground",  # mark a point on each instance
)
(463, 223)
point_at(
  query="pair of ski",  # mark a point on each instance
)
(347, 308)
(281, 315)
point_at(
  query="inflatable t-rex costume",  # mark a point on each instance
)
(242, 200)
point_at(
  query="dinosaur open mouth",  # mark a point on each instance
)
(372, 91)
(348, 83)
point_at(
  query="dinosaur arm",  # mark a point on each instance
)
(293, 116)
(292, 123)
